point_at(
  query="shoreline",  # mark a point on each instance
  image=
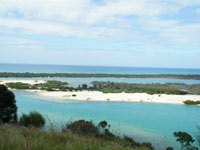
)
(117, 97)
(108, 97)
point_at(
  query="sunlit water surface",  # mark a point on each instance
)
(144, 121)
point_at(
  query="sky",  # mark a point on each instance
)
(140, 33)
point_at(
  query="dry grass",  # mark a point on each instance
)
(21, 138)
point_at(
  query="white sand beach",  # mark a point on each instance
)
(120, 97)
(22, 81)
(99, 96)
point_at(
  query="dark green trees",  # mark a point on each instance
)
(185, 140)
(8, 108)
(33, 119)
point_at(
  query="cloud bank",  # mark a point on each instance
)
(157, 25)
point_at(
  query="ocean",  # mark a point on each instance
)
(92, 69)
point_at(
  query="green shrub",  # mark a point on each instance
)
(19, 85)
(102, 131)
(189, 102)
(34, 119)
(82, 127)
(18, 138)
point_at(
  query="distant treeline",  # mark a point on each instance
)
(113, 87)
(168, 88)
(154, 88)
(83, 75)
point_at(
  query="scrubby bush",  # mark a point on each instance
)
(18, 85)
(186, 140)
(114, 87)
(102, 131)
(8, 108)
(189, 102)
(34, 119)
(82, 127)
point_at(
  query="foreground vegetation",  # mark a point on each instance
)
(20, 138)
(98, 75)
(113, 87)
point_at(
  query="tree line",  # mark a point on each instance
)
(97, 75)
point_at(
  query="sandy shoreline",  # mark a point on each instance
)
(99, 96)
(120, 97)
(22, 81)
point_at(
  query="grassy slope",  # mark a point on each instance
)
(20, 138)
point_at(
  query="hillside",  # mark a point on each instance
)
(21, 138)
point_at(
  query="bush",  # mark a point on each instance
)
(19, 85)
(88, 129)
(189, 102)
(82, 127)
(8, 108)
(34, 119)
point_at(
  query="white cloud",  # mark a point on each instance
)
(113, 19)
(184, 34)
(14, 43)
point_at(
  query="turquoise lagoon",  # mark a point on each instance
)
(144, 121)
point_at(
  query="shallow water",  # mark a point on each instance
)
(145, 121)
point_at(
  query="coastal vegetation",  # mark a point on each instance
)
(8, 108)
(97, 75)
(186, 140)
(14, 137)
(113, 87)
(102, 131)
(190, 102)
(48, 86)
(33, 119)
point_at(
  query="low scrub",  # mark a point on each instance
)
(33, 119)
(189, 102)
(102, 131)
(19, 138)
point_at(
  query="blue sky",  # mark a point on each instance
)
(143, 33)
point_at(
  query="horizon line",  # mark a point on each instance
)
(100, 66)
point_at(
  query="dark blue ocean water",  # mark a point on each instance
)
(92, 69)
